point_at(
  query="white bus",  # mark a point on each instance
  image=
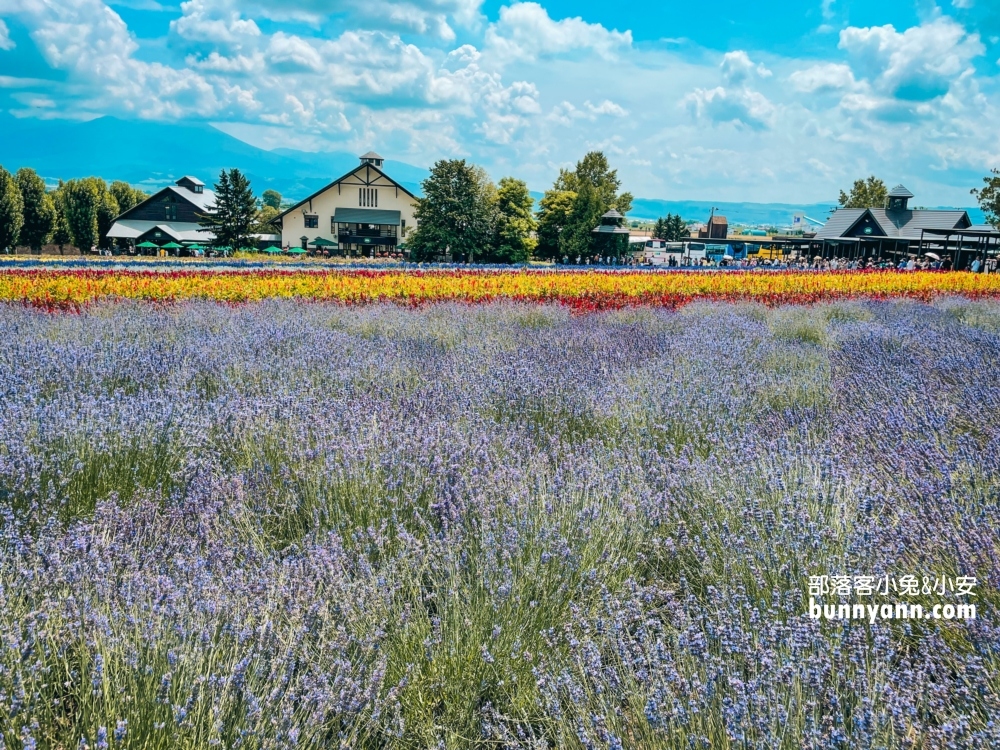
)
(660, 253)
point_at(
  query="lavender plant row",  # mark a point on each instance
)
(289, 525)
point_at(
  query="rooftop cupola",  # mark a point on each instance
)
(372, 158)
(899, 199)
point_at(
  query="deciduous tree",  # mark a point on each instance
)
(271, 198)
(514, 223)
(577, 237)
(11, 210)
(553, 216)
(989, 197)
(870, 193)
(39, 210)
(456, 213)
(81, 201)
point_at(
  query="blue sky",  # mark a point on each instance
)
(729, 100)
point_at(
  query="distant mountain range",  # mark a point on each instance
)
(150, 155)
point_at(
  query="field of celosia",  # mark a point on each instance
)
(289, 525)
(581, 290)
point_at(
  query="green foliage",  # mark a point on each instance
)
(595, 170)
(456, 214)
(271, 198)
(11, 210)
(577, 238)
(39, 209)
(671, 229)
(60, 231)
(570, 211)
(126, 196)
(989, 197)
(235, 212)
(81, 201)
(870, 193)
(514, 223)
(553, 216)
(263, 224)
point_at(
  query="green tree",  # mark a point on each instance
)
(107, 211)
(81, 202)
(553, 216)
(989, 197)
(60, 232)
(271, 198)
(11, 211)
(677, 229)
(870, 193)
(39, 210)
(263, 224)
(126, 196)
(661, 229)
(514, 223)
(235, 212)
(595, 169)
(456, 213)
(577, 237)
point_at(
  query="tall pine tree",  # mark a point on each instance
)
(235, 213)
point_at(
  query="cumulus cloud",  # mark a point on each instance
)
(6, 43)
(741, 107)
(208, 21)
(737, 67)
(525, 31)
(919, 63)
(434, 18)
(823, 77)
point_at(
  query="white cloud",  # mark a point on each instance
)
(823, 77)
(207, 21)
(607, 107)
(525, 31)
(919, 63)
(737, 67)
(741, 107)
(963, 4)
(6, 43)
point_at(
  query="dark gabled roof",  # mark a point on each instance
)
(900, 192)
(904, 225)
(204, 202)
(341, 179)
(840, 222)
(192, 180)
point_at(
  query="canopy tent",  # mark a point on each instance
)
(173, 246)
(296, 251)
(322, 242)
(148, 245)
(272, 250)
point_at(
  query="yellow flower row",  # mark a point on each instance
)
(580, 289)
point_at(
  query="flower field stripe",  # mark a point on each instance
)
(580, 290)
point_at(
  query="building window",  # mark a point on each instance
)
(402, 227)
(368, 197)
(171, 212)
(312, 222)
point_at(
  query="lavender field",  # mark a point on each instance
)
(292, 525)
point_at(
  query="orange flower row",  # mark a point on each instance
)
(582, 290)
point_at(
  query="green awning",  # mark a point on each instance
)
(322, 242)
(367, 216)
(147, 245)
